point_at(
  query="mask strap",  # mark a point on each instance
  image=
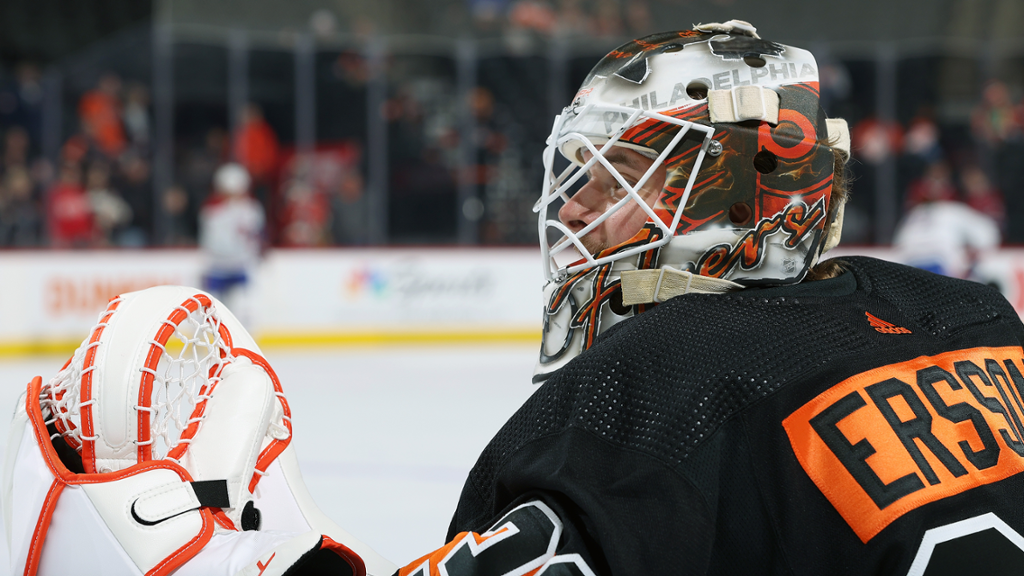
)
(661, 284)
(744, 103)
(839, 135)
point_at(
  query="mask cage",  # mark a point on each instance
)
(566, 255)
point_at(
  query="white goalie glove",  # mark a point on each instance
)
(163, 447)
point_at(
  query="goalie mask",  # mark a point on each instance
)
(711, 143)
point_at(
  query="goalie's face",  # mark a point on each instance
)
(603, 191)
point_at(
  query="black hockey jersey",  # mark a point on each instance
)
(868, 424)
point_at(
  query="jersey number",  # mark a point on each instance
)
(980, 545)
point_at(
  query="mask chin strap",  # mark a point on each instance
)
(660, 284)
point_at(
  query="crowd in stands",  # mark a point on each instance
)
(96, 192)
(979, 167)
(603, 18)
(96, 189)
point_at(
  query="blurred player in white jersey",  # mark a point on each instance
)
(232, 237)
(944, 235)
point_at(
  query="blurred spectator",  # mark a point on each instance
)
(136, 116)
(573, 20)
(110, 211)
(21, 103)
(43, 174)
(231, 234)
(16, 148)
(488, 145)
(995, 119)
(362, 27)
(322, 201)
(178, 230)
(608, 22)
(874, 141)
(198, 167)
(350, 66)
(21, 221)
(834, 81)
(980, 194)
(921, 149)
(307, 215)
(922, 137)
(875, 144)
(75, 150)
(349, 224)
(638, 18)
(489, 140)
(136, 186)
(323, 23)
(422, 206)
(532, 15)
(68, 212)
(100, 113)
(998, 129)
(487, 14)
(256, 148)
(406, 138)
(936, 184)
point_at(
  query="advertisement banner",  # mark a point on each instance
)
(409, 294)
(50, 299)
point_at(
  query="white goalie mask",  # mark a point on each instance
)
(718, 155)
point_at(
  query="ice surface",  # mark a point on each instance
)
(385, 436)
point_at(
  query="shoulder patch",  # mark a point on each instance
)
(884, 442)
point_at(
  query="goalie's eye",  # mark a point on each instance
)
(605, 181)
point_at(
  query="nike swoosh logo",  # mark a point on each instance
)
(263, 567)
(148, 523)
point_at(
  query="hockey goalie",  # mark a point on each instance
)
(163, 446)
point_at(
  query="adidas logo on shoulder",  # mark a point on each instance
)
(885, 327)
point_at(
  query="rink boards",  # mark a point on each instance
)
(50, 299)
